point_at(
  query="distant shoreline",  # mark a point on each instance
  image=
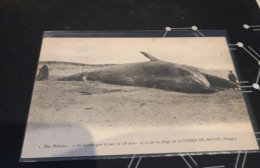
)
(71, 63)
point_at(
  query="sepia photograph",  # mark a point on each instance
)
(125, 96)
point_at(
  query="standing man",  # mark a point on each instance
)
(232, 77)
(43, 74)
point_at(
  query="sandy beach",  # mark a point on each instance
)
(108, 105)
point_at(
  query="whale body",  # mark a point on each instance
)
(157, 74)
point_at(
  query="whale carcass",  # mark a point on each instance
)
(157, 74)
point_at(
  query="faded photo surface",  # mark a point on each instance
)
(123, 96)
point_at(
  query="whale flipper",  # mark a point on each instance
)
(150, 57)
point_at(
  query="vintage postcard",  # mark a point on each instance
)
(124, 96)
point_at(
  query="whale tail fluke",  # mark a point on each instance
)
(150, 57)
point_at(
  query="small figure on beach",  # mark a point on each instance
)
(84, 78)
(44, 73)
(232, 77)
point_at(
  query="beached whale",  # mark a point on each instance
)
(157, 74)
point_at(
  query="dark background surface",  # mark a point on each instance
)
(22, 23)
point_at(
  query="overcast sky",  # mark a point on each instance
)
(206, 52)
